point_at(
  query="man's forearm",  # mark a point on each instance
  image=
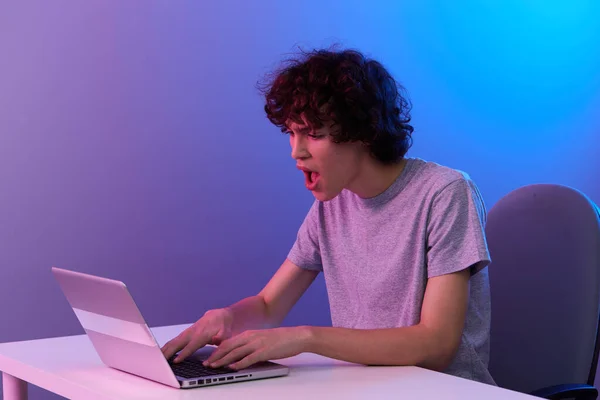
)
(414, 345)
(250, 313)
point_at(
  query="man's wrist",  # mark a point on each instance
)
(306, 335)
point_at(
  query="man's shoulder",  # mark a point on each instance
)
(436, 177)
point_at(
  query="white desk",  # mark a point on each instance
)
(70, 367)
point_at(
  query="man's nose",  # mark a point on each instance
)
(299, 150)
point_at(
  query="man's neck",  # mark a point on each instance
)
(376, 178)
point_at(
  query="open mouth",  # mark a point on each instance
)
(309, 176)
(311, 179)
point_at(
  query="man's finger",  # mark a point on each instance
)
(167, 350)
(224, 348)
(191, 347)
(167, 347)
(176, 344)
(173, 346)
(249, 360)
(233, 356)
(220, 337)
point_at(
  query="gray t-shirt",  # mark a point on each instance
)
(377, 253)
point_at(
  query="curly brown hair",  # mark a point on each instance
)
(348, 89)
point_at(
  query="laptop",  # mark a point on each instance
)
(122, 339)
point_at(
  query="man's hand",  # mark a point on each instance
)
(267, 309)
(250, 347)
(212, 328)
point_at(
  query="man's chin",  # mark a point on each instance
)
(323, 196)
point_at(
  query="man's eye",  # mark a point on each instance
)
(315, 136)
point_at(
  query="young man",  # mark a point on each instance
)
(400, 240)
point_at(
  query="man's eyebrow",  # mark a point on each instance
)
(302, 129)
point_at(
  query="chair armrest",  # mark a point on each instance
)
(569, 391)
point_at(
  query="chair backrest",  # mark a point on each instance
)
(544, 241)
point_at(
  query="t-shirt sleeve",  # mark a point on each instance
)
(305, 252)
(456, 230)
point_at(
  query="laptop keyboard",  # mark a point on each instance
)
(194, 369)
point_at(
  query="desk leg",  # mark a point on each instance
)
(13, 388)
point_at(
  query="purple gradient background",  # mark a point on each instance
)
(133, 144)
